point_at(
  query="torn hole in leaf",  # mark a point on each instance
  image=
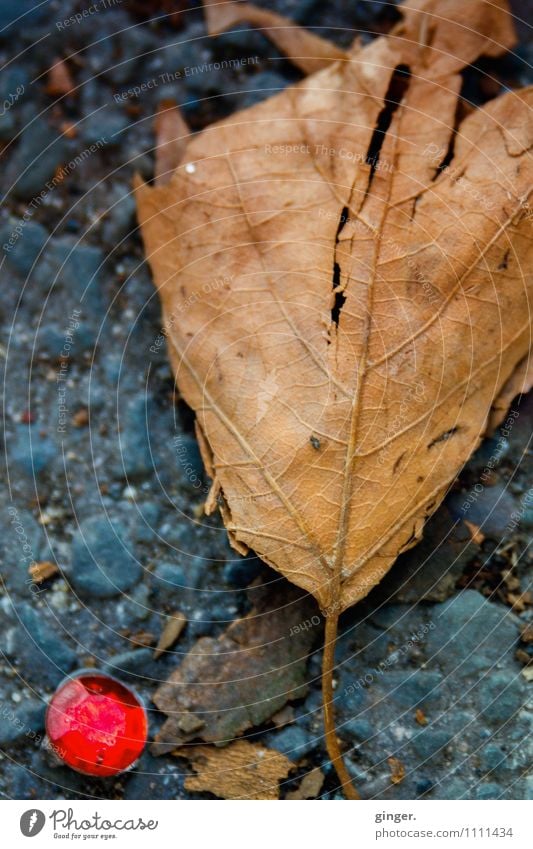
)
(398, 86)
(339, 296)
(443, 437)
(463, 108)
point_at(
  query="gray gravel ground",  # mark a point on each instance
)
(103, 472)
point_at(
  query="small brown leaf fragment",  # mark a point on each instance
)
(171, 136)
(421, 717)
(81, 417)
(241, 770)
(475, 532)
(172, 630)
(523, 657)
(305, 49)
(142, 638)
(283, 716)
(526, 634)
(243, 677)
(397, 770)
(309, 787)
(520, 602)
(43, 570)
(59, 80)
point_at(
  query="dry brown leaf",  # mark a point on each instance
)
(348, 309)
(171, 135)
(308, 51)
(309, 787)
(43, 570)
(475, 531)
(226, 685)
(240, 771)
(171, 632)
(397, 770)
(421, 717)
(59, 80)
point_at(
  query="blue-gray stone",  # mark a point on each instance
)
(430, 742)
(20, 14)
(262, 85)
(138, 664)
(145, 520)
(77, 268)
(500, 696)
(21, 542)
(242, 571)
(20, 722)
(169, 577)
(40, 653)
(40, 151)
(135, 449)
(409, 688)
(32, 452)
(490, 509)
(103, 560)
(489, 791)
(491, 757)
(471, 634)
(22, 250)
(14, 87)
(357, 729)
(294, 742)
(105, 127)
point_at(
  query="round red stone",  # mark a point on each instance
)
(96, 725)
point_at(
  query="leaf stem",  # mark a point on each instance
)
(332, 743)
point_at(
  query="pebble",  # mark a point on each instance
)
(22, 722)
(21, 541)
(501, 696)
(39, 153)
(103, 560)
(490, 510)
(293, 742)
(136, 664)
(26, 248)
(471, 634)
(489, 791)
(77, 269)
(38, 651)
(32, 452)
(135, 449)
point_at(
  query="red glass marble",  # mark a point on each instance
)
(96, 725)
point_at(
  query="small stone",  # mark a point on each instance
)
(500, 697)
(489, 791)
(21, 722)
(470, 633)
(135, 452)
(22, 249)
(260, 86)
(293, 742)
(40, 152)
(431, 742)
(38, 650)
(103, 560)
(491, 757)
(137, 664)
(32, 451)
(490, 510)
